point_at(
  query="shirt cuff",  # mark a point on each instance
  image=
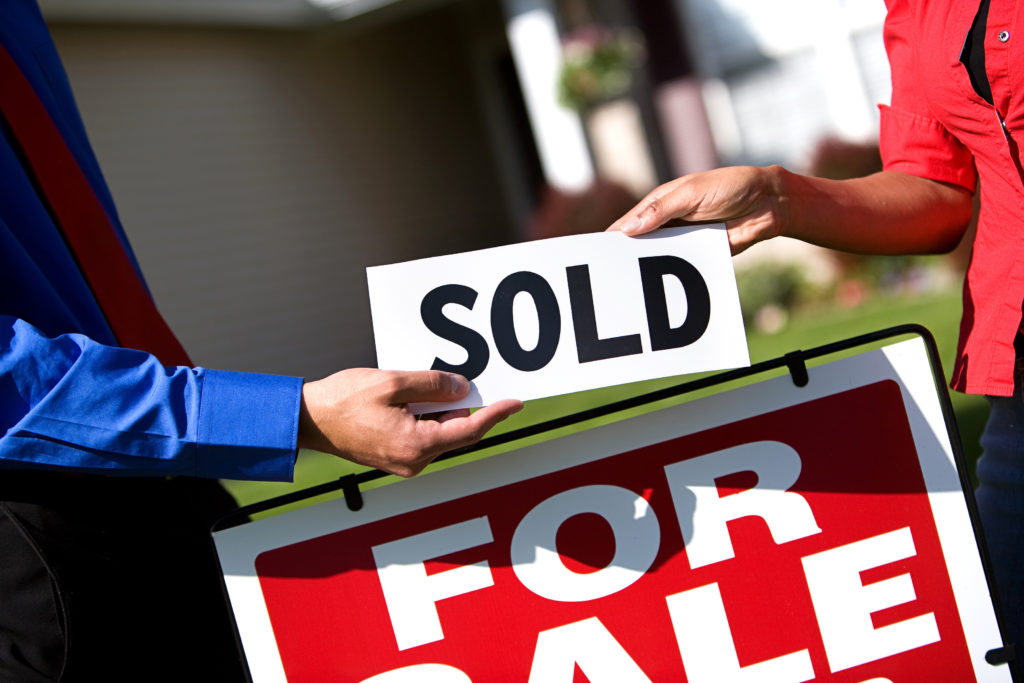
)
(248, 426)
(921, 146)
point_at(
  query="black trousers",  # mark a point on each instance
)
(111, 579)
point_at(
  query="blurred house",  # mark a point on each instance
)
(264, 152)
(780, 76)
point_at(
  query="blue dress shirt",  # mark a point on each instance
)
(70, 398)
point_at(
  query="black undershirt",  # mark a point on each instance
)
(973, 55)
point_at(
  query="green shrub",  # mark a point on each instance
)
(771, 284)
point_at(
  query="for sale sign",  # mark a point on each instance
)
(771, 533)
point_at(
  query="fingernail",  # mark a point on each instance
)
(460, 385)
(632, 225)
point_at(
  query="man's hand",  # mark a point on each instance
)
(361, 415)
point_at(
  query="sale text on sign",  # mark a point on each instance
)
(770, 534)
(562, 315)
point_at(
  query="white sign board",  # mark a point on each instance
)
(563, 315)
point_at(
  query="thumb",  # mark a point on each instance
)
(422, 386)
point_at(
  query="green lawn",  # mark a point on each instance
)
(939, 313)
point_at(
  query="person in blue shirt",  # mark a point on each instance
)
(111, 442)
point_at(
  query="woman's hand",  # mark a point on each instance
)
(746, 198)
(884, 213)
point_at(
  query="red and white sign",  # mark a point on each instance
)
(770, 533)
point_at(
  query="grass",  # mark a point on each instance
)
(939, 313)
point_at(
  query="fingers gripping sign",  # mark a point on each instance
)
(747, 199)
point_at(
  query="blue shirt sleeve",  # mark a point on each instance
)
(71, 403)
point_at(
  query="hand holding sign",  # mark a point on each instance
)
(745, 197)
(563, 315)
(362, 415)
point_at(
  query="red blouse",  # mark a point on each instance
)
(938, 127)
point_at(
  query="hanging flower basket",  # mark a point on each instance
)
(598, 65)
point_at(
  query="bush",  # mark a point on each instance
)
(781, 284)
(769, 291)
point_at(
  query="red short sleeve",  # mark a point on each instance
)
(912, 140)
(921, 146)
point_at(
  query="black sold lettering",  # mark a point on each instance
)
(588, 346)
(549, 321)
(433, 317)
(698, 301)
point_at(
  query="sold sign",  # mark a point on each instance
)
(770, 534)
(562, 315)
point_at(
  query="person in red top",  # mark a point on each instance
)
(955, 123)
